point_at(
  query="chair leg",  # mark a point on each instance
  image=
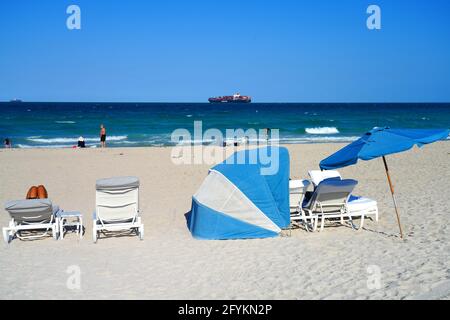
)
(80, 226)
(61, 229)
(351, 222)
(362, 221)
(54, 232)
(141, 232)
(310, 225)
(94, 232)
(322, 223)
(302, 217)
(6, 235)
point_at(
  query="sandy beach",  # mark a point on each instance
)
(170, 264)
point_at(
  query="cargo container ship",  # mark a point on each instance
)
(235, 98)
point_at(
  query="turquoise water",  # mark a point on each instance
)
(151, 124)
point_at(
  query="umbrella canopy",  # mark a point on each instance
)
(380, 142)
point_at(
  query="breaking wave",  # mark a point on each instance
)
(322, 130)
(73, 139)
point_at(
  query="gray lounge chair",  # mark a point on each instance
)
(30, 216)
(329, 200)
(117, 206)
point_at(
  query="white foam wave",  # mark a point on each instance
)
(322, 130)
(74, 139)
(195, 141)
(53, 140)
(122, 141)
(66, 122)
(282, 140)
(317, 139)
(112, 138)
(49, 146)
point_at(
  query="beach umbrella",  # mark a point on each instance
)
(380, 142)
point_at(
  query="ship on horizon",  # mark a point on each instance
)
(235, 98)
(15, 101)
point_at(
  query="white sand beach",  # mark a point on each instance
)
(170, 264)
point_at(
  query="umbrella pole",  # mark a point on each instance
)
(393, 196)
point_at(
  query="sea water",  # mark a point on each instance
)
(58, 125)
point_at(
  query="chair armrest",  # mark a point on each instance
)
(55, 209)
(307, 198)
(57, 212)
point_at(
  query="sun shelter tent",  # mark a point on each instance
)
(246, 196)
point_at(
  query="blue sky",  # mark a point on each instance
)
(275, 51)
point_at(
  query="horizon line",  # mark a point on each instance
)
(253, 102)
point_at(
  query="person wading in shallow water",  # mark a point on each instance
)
(7, 143)
(268, 131)
(102, 136)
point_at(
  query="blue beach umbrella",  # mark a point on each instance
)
(380, 142)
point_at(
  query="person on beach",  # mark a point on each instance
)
(7, 143)
(102, 136)
(81, 143)
(268, 132)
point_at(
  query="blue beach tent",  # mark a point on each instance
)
(246, 196)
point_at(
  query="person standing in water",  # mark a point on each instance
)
(7, 143)
(102, 136)
(268, 131)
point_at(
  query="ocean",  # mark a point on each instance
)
(58, 125)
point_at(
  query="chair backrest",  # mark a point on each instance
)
(30, 211)
(331, 195)
(117, 199)
(317, 176)
(297, 189)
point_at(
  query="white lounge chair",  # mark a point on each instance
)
(362, 207)
(31, 219)
(317, 176)
(297, 190)
(117, 206)
(357, 206)
(328, 201)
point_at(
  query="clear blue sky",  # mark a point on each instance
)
(275, 51)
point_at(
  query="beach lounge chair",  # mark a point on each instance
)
(297, 190)
(317, 176)
(357, 206)
(328, 201)
(31, 219)
(117, 206)
(362, 207)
